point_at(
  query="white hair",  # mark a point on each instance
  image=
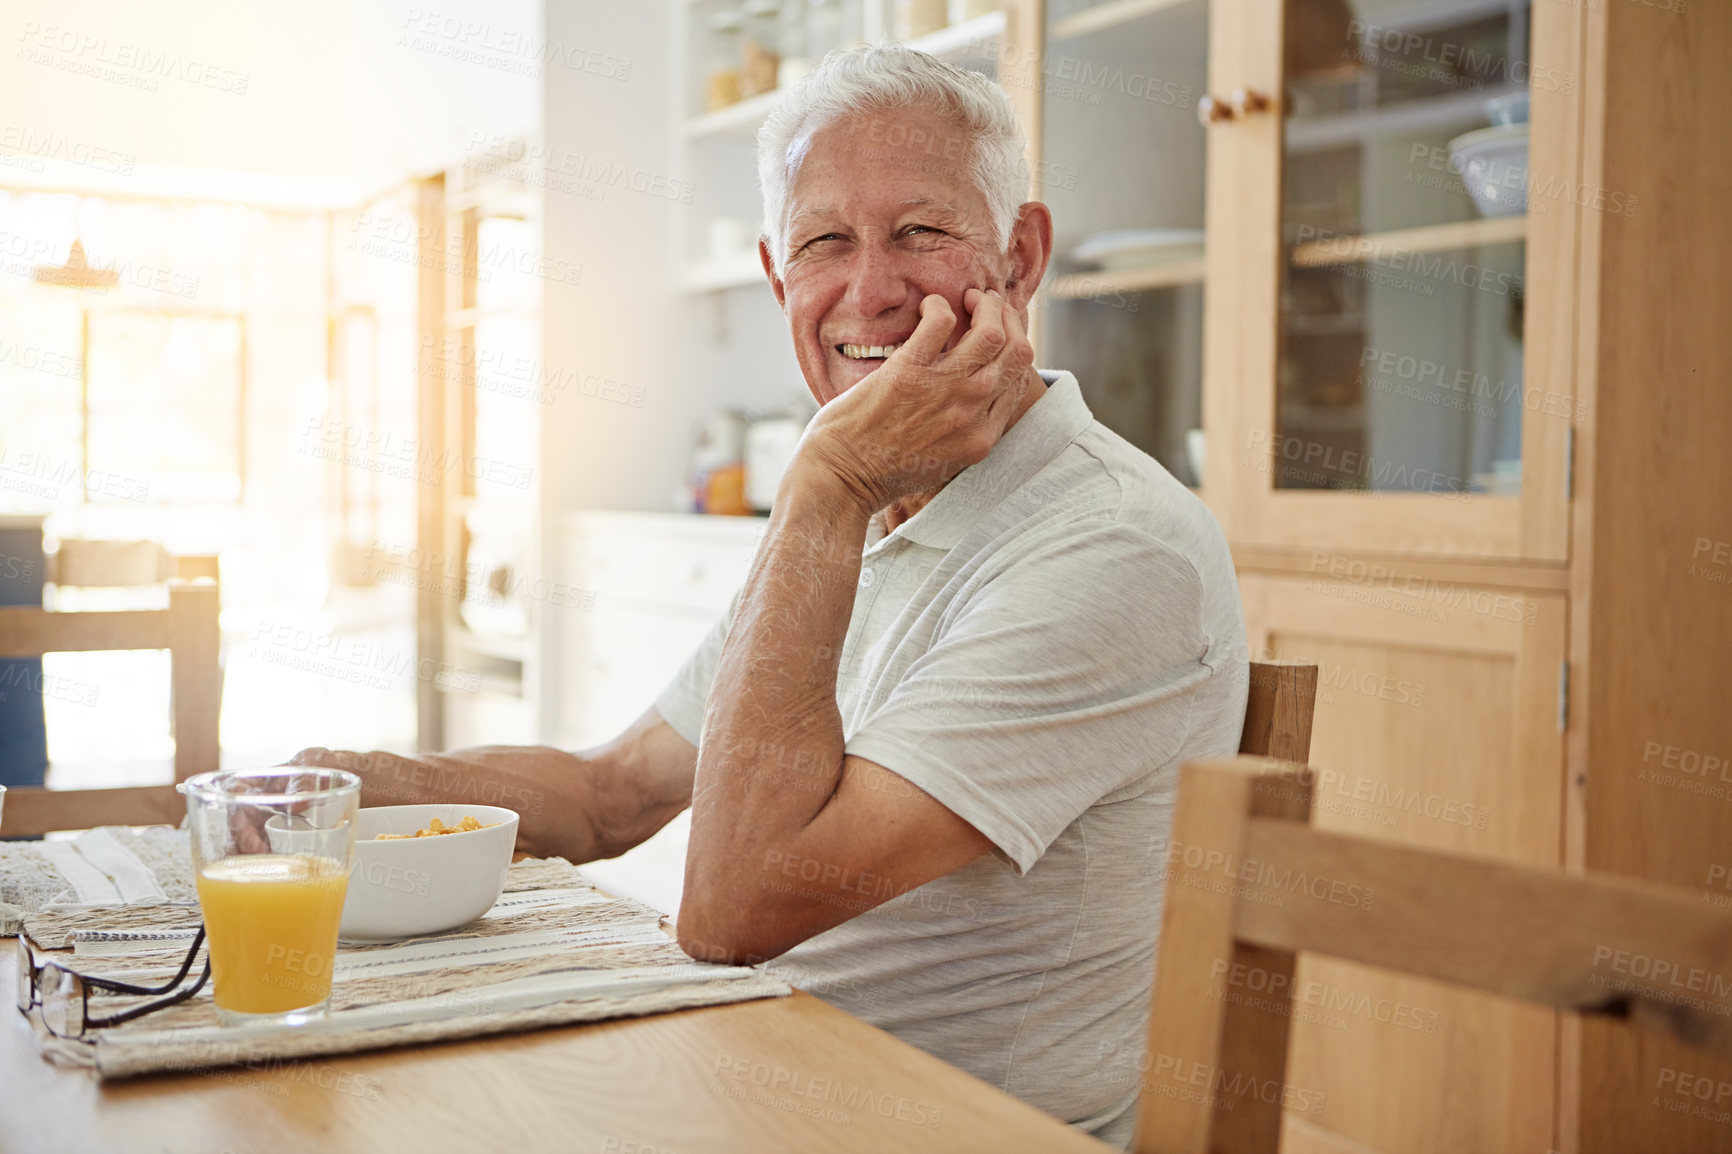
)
(882, 78)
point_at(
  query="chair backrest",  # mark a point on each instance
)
(83, 562)
(189, 630)
(1279, 709)
(90, 563)
(1250, 883)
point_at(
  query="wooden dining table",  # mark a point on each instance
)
(791, 1073)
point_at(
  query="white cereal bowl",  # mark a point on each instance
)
(405, 887)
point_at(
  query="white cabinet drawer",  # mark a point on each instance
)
(660, 582)
(685, 562)
(621, 656)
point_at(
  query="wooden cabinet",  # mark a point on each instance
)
(1464, 417)
(1438, 724)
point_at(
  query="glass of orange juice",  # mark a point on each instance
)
(272, 850)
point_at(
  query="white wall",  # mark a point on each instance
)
(620, 447)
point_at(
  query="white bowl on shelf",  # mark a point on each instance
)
(1493, 163)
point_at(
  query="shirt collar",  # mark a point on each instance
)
(1051, 423)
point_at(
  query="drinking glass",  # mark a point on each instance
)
(272, 850)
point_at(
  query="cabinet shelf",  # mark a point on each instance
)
(979, 37)
(1322, 418)
(743, 117)
(1423, 115)
(1104, 16)
(1430, 238)
(1084, 285)
(1324, 324)
(956, 41)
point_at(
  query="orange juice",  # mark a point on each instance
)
(272, 924)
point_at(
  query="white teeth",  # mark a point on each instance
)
(866, 352)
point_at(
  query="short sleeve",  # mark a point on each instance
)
(1069, 675)
(682, 701)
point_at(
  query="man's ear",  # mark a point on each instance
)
(1030, 252)
(769, 264)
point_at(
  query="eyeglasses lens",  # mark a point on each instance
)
(26, 983)
(62, 1003)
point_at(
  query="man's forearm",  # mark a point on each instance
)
(775, 685)
(579, 806)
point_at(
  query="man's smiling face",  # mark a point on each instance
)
(874, 227)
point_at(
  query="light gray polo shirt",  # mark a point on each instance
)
(1038, 648)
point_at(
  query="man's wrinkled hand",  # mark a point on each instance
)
(927, 413)
(361, 764)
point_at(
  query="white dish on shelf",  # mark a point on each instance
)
(1139, 247)
(1509, 109)
(1493, 163)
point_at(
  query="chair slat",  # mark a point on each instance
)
(33, 632)
(32, 810)
(1590, 944)
(196, 673)
(1213, 1070)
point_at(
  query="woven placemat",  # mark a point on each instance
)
(554, 950)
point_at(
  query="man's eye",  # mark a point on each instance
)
(926, 228)
(820, 239)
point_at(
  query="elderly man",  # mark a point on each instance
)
(931, 751)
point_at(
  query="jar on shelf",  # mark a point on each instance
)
(723, 79)
(763, 41)
(917, 18)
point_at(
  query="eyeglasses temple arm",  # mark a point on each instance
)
(126, 988)
(140, 1011)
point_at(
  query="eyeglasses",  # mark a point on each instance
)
(64, 994)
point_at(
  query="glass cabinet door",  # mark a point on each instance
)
(1397, 392)
(1122, 167)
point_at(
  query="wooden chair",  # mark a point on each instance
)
(1278, 711)
(189, 630)
(1251, 883)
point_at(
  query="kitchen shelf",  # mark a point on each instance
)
(1085, 285)
(743, 117)
(1415, 117)
(1323, 324)
(1320, 418)
(1104, 16)
(729, 272)
(978, 37)
(1430, 238)
(953, 43)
